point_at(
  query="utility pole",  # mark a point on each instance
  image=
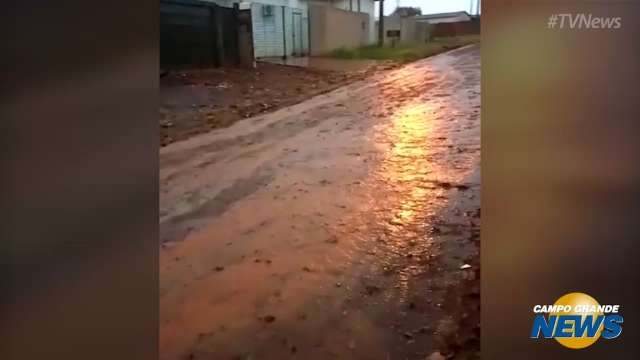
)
(381, 24)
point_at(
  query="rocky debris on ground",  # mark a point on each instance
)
(196, 101)
(268, 319)
(332, 240)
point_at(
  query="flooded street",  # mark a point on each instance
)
(343, 227)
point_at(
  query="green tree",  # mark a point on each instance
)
(407, 11)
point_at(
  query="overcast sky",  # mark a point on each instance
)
(430, 6)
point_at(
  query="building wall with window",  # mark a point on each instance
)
(404, 30)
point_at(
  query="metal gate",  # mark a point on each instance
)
(279, 31)
(196, 33)
(268, 30)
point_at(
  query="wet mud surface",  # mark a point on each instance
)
(343, 227)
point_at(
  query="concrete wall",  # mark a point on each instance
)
(456, 29)
(391, 23)
(332, 28)
(364, 6)
(369, 7)
(411, 31)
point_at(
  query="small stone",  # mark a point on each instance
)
(371, 289)
(352, 344)
(332, 240)
(436, 356)
(423, 330)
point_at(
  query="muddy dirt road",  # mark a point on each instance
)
(343, 227)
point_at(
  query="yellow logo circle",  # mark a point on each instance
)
(578, 300)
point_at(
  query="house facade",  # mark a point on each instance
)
(398, 29)
(420, 28)
(301, 27)
(282, 28)
(279, 28)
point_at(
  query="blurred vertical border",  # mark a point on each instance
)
(560, 181)
(79, 184)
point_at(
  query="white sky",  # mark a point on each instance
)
(430, 6)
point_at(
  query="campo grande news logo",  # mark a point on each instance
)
(576, 321)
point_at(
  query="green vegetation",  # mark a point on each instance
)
(405, 52)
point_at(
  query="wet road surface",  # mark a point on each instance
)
(338, 228)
